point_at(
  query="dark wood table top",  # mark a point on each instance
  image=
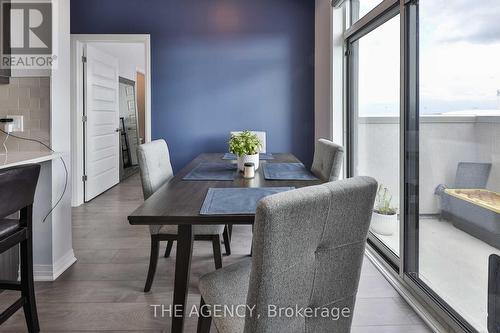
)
(179, 201)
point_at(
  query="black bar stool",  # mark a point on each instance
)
(17, 192)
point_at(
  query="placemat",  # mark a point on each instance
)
(236, 201)
(287, 171)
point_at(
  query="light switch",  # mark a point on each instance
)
(18, 123)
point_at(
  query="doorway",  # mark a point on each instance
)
(129, 128)
(111, 110)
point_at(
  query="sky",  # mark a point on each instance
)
(459, 59)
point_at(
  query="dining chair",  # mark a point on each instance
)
(328, 160)
(262, 137)
(17, 192)
(308, 251)
(156, 170)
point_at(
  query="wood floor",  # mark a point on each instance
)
(102, 292)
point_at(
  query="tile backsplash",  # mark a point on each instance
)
(28, 97)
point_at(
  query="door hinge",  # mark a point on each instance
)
(84, 59)
(84, 178)
(84, 118)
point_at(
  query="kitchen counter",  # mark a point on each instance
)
(52, 244)
(22, 158)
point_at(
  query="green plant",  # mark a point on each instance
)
(245, 143)
(383, 202)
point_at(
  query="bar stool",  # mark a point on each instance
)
(17, 191)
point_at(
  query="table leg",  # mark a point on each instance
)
(182, 272)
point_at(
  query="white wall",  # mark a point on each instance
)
(322, 71)
(131, 57)
(444, 142)
(62, 243)
(488, 137)
(378, 154)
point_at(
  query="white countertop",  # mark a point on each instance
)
(28, 157)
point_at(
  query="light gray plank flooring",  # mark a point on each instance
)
(102, 292)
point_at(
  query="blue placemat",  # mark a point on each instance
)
(287, 171)
(233, 157)
(212, 171)
(236, 201)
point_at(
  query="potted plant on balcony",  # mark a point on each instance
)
(246, 146)
(384, 217)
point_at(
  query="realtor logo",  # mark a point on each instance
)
(30, 28)
(27, 33)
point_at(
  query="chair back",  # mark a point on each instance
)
(262, 137)
(155, 166)
(328, 160)
(308, 252)
(472, 175)
(17, 188)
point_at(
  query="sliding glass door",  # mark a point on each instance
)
(423, 118)
(375, 126)
(459, 182)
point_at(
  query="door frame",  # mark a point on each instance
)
(78, 41)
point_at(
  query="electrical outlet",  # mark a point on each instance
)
(18, 123)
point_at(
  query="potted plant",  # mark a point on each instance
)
(246, 146)
(384, 217)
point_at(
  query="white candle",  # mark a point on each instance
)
(249, 171)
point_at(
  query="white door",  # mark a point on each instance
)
(102, 121)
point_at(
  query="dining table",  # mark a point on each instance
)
(179, 202)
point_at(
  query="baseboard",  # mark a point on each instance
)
(47, 273)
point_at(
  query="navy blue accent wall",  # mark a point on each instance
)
(220, 65)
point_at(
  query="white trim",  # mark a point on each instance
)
(48, 273)
(419, 308)
(338, 16)
(323, 121)
(77, 43)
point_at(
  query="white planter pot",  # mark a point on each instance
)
(385, 225)
(255, 159)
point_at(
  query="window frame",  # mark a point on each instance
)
(380, 15)
(404, 266)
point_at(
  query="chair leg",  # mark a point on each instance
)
(153, 261)
(217, 251)
(168, 250)
(204, 321)
(227, 241)
(28, 286)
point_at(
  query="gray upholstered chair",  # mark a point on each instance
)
(156, 170)
(328, 159)
(308, 252)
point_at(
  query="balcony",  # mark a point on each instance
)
(452, 262)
